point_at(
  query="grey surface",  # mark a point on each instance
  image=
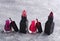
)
(35, 9)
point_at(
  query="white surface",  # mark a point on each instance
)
(35, 9)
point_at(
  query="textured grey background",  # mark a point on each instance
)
(35, 9)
